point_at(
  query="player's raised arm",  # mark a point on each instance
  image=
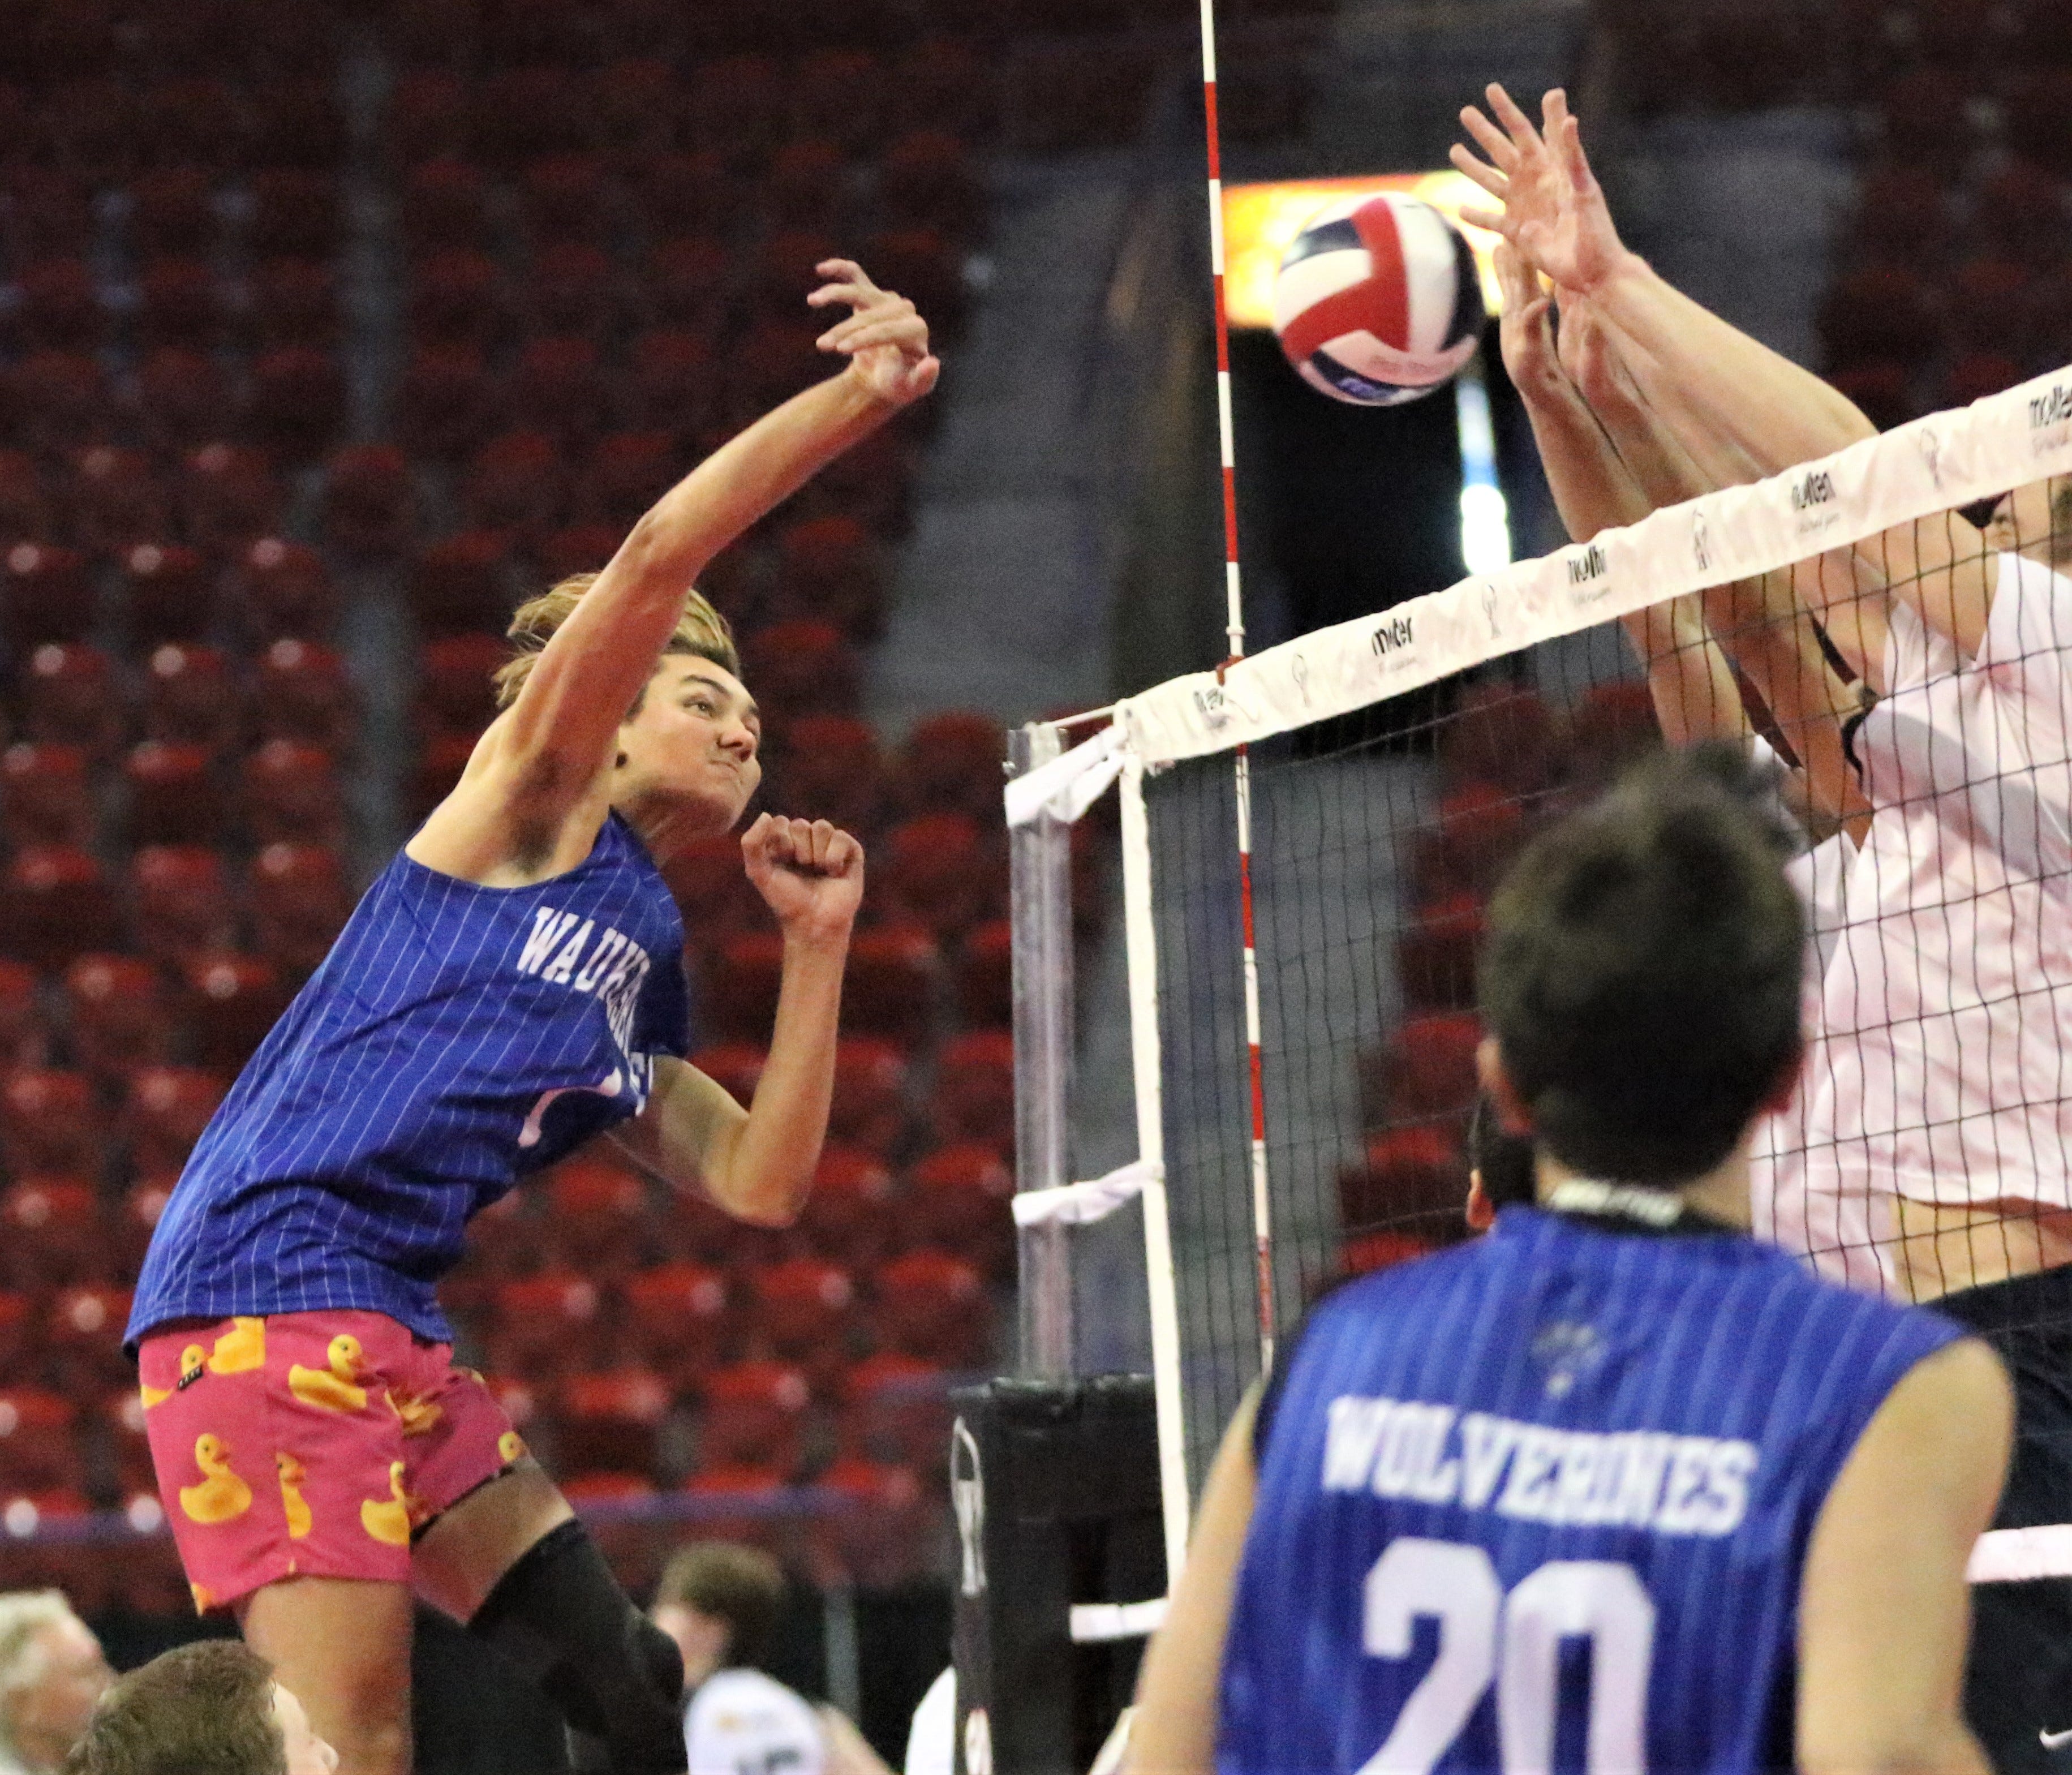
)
(535, 791)
(1883, 1607)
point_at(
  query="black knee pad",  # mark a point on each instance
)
(559, 1618)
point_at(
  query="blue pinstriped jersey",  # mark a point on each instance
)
(455, 1039)
(1542, 1502)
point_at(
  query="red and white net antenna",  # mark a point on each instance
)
(1262, 1222)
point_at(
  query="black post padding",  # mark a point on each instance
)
(1055, 1486)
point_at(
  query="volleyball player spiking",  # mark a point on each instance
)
(1615, 1485)
(511, 986)
(1947, 1007)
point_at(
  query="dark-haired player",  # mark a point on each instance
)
(1615, 1486)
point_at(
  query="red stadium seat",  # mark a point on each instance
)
(580, 548)
(116, 501)
(974, 1094)
(455, 691)
(1501, 734)
(896, 1408)
(300, 898)
(611, 1420)
(169, 591)
(50, 1125)
(174, 799)
(626, 473)
(23, 1041)
(1427, 1071)
(869, 1108)
(180, 901)
(932, 1305)
(48, 798)
(565, 197)
(285, 591)
(84, 1332)
(778, 359)
(985, 975)
(836, 97)
(297, 123)
(944, 80)
(506, 1238)
(458, 298)
(72, 697)
(445, 404)
(959, 1203)
(889, 989)
(545, 1325)
(60, 311)
(164, 1114)
(182, 395)
(735, 1067)
(192, 122)
(1435, 954)
(170, 212)
(291, 794)
(1374, 1251)
(633, 107)
(37, 1451)
(62, 402)
(117, 1014)
(558, 388)
(746, 969)
(294, 301)
(301, 691)
(369, 502)
(801, 668)
(182, 305)
(190, 698)
(807, 185)
(953, 763)
(445, 207)
(830, 769)
(441, 763)
(55, 904)
(122, 1415)
(597, 1216)
(516, 484)
(829, 570)
(754, 1413)
(676, 1319)
(736, 107)
(923, 265)
(1611, 727)
(673, 383)
(21, 1333)
(520, 112)
(1903, 212)
(938, 869)
(736, 1501)
(463, 583)
(295, 213)
(27, 512)
(803, 1311)
(1410, 1176)
(880, 1539)
(849, 1216)
(55, 1235)
(689, 282)
(787, 270)
(231, 1001)
(297, 402)
(227, 498)
(1481, 827)
(50, 212)
(927, 181)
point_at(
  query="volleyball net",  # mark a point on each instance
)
(1310, 836)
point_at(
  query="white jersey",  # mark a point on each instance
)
(1947, 1009)
(743, 1722)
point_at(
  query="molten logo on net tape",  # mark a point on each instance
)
(1392, 637)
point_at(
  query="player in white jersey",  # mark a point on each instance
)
(1610, 461)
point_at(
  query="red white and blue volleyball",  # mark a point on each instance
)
(1378, 301)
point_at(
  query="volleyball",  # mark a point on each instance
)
(1377, 301)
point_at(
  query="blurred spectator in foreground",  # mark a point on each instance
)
(51, 1673)
(720, 1603)
(213, 1705)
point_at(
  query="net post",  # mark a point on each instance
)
(1040, 861)
(1141, 937)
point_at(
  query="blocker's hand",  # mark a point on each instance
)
(810, 872)
(885, 340)
(1554, 210)
(1527, 330)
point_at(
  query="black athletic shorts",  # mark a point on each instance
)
(2018, 1685)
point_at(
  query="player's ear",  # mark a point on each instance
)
(1778, 1097)
(1511, 1114)
(1481, 1210)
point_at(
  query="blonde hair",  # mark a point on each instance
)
(25, 1615)
(700, 630)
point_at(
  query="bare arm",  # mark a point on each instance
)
(1174, 1731)
(536, 791)
(1884, 1611)
(757, 1163)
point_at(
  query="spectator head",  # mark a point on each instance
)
(211, 1708)
(719, 1602)
(51, 1673)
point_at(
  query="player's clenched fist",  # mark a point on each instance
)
(810, 872)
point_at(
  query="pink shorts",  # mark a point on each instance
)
(311, 1444)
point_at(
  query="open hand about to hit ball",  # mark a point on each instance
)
(810, 872)
(885, 340)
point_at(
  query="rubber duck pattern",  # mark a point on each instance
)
(293, 1474)
(388, 1520)
(510, 1446)
(334, 1389)
(239, 1350)
(221, 1497)
(418, 1416)
(194, 1362)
